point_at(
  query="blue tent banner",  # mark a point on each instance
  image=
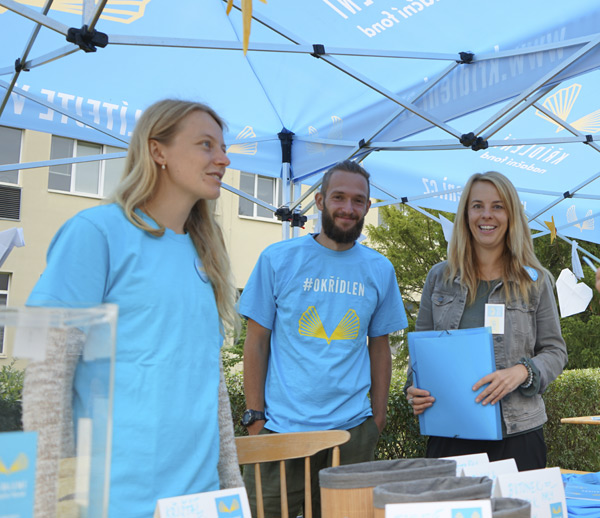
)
(425, 93)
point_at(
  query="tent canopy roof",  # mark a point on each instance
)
(401, 85)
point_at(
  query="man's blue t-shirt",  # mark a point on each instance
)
(165, 423)
(320, 305)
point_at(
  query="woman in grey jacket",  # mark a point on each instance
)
(491, 260)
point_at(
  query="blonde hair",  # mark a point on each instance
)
(518, 245)
(161, 122)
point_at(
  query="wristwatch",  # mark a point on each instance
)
(250, 416)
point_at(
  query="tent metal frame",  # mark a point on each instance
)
(526, 99)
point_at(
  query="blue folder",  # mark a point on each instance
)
(447, 364)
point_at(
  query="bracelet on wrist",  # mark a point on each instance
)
(529, 381)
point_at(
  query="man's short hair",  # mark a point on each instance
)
(347, 166)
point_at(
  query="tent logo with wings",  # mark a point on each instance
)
(244, 148)
(21, 463)
(336, 132)
(310, 325)
(561, 103)
(587, 224)
(115, 10)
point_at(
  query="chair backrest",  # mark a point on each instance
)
(280, 447)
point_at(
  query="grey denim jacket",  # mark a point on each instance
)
(532, 330)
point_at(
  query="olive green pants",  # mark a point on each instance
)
(360, 448)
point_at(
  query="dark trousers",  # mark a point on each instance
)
(360, 448)
(528, 449)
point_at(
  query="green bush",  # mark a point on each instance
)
(11, 390)
(235, 386)
(573, 446)
(400, 438)
(570, 446)
(583, 335)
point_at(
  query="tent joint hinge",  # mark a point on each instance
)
(20, 66)
(296, 219)
(589, 139)
(87, 40)
(567, 194)
(466, 58)
(475, 143)
(318, 50)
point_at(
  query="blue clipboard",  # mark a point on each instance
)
(447, 364)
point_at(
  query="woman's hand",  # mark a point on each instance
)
(499, 383)
(419, 399)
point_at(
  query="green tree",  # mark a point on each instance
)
(581, 331)
(413, 243)
(11, 393)
(234, 354)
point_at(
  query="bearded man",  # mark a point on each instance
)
(319, 310)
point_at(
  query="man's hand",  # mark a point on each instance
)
(381, 374)
(380, 421)
(256, 358)
(255, 427)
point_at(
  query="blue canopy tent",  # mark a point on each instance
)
(424, 92)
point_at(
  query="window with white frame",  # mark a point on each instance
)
(98, 178)
(4, 280)
(265, 189)
(10, 153)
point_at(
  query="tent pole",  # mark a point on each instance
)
(23, 59)
(285, 180)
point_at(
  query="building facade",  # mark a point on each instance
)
(40, 200)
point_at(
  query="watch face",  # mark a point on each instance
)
(247, 418)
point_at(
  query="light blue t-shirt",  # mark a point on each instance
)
(165, 424)
(320, 305)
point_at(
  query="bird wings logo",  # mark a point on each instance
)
(310, 325)
(471, 512)
(556, 510)
(587, 224)
(115, 10)
(561, 104)
(229, 507)
(244, 148)
(336, 132)
(21, 463)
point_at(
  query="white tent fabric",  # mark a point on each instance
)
(426, 92)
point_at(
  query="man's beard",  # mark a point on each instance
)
(335, 233)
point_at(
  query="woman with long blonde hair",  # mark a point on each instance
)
(491, 260)
(158, 253)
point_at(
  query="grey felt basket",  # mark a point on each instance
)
(510, 508)
(382, 471)
(432, 490)
(347, 491)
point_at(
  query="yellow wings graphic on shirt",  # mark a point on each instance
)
(21, 463)
(310, 325)
(235, 505)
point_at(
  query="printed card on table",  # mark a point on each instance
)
(456, 509)
(18, 452)
(463, 461)
(542, 487)
(491, 470)
(227, 503)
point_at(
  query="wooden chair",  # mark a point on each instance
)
(280, 447)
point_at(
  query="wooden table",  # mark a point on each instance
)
(593, 419)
